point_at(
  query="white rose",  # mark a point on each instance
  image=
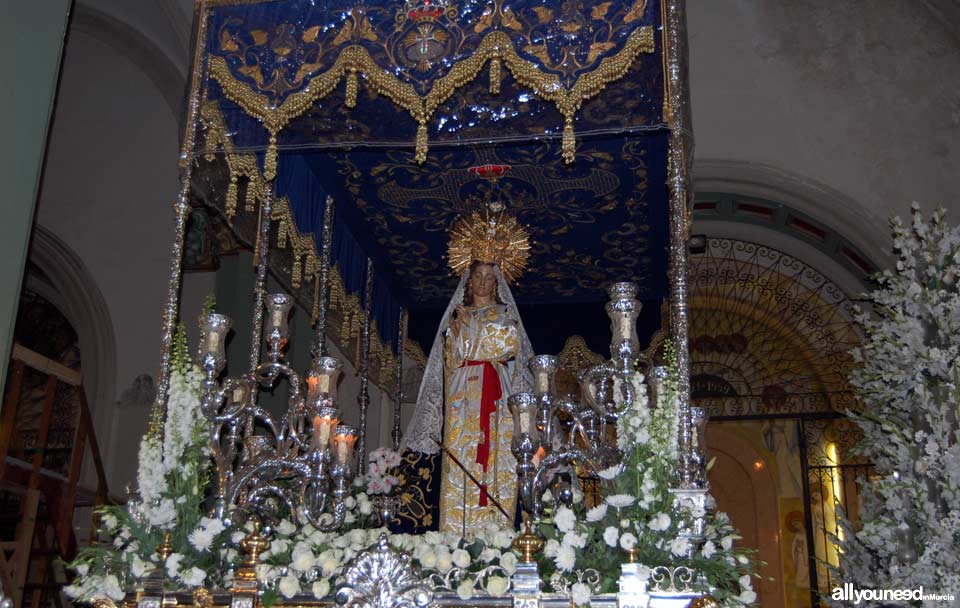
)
(320, 588)
(580, 594)
(365, 508)
(461, 559)
(289, 586)
(508, 561)
(465, 589)
(628, 541)
(503, 538)
(302, 561)
(610, 536)
(286, 528)
(428, 560)
(497, 585)
(444, 563)
(489, 554)
(564, 519)
(329, 566)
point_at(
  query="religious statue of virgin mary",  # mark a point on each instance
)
(479, 357)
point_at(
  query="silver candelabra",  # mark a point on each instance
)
(304, 459)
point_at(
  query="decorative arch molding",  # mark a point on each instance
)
(58, 274)
(850, 219)
(137, 48)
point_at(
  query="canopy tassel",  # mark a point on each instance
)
(421, 145)
(569, 142)
(495, 76)
(231, 203)
(270, 159)
(296, 273)
(282, 233)
(353, 87)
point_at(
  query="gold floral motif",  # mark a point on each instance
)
(495, 46)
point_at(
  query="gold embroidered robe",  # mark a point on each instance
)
(489, 335)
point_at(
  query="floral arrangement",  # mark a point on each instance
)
(638, 516)
(173, 473)
(582, 554)
(908, 378)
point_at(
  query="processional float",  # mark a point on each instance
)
(281, 94)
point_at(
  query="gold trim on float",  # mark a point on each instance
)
(496, 48)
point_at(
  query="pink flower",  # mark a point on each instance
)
(391, 480)
(376, 486)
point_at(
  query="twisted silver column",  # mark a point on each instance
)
(363, 399)
(323, 294)
(398, 379)
(181, 209)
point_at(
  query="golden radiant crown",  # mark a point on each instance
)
(490, 236)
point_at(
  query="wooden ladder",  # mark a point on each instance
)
(30, 563)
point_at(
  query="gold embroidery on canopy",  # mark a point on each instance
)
(495, 47)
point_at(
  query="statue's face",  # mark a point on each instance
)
(483, 281)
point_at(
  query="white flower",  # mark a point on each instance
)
(83, 569)
(193, 577)
(503, 538)
(577, 541)
(550, 549)
(628, 541)
(461, 559)
(742, 560)
(173, 564)
(465, 589)
(286, 528)
(610, 473)
(745, 582)
(109, 522)
(548, 496)
(610, 536)
(302, 561)
(566, 558)
(497, 585)
(508, 561)
(329, 566)
(597, 513)
(564, 519)
(489, 554)
(320, 588)
(289, 586)
(747, 596)
(444, 562)
(201, 539)
(727, 543)
(679, 546)
(111, 588)
(580, 594)
(429, 560)
(709, 549)
(365, 507)
(237, 536)
(138, 568)
(659, 523)
(620, 500)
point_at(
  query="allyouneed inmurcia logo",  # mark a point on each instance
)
(848, 593)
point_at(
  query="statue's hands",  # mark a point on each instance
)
(458, 319)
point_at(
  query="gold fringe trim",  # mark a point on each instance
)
(344, 307)
(495, 76)
(496, 45)
(353, 87)
(231, 203)
(270, 159)
(568, 146)
(421, 145)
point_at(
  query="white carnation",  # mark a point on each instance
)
(620, 500)
(628, 541)
(550, 549)
(680, 546)
(566, 558)
(659, 523)
(193, 577)
(709, 549)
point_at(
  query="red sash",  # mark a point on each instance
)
(490, 393)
